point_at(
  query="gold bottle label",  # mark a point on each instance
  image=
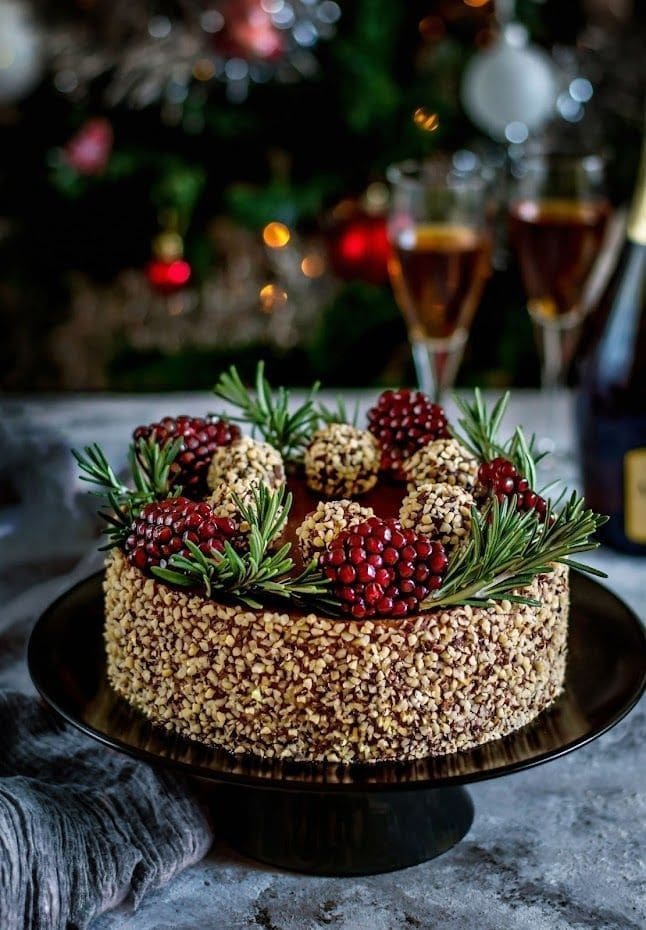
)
(636, 228)
(635, 495)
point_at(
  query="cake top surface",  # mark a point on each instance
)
(303, 507)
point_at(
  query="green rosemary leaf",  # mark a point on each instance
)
(498, 412)
(520, 599)
(263, 393)
(267, 410)
(251, 577)
(256, 547)
(479, 426)
(150, 465)
(508, 549)
(339, 413)
(138, 475)
(204, 561)
(249, 601)
(235, 562)
(177, 578)
(480, 434)
(96, 469)
(584, 568)
(521, 456)
(114, 518)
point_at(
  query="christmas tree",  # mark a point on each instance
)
(185, 185)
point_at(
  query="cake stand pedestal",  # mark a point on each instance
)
(329, 819)
(348, 833)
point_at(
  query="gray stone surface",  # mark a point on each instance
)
(559, 846)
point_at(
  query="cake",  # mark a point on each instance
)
(331, 609)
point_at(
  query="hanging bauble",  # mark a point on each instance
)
(88, 151)
(167, 271)
(249, 32)
(168, 277)
(358, 244)
(21, 60)
(510, 88)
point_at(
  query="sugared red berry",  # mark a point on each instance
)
(200, 438)
(500, 477)
(403, 421)
(390, 582)
(163, 527)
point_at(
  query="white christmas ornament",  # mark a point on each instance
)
(510, 85)
(21, 60)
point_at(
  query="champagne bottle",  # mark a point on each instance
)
(612, 402)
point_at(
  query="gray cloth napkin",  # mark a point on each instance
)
(82, 828)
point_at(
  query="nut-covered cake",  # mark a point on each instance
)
(256, 606)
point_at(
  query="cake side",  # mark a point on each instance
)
(311, 688)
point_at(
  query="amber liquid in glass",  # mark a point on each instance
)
(438, 272)
(557, 242)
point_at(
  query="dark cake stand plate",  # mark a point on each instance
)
(333, 819)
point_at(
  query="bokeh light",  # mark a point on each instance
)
(431, 28)
(570, 109)
(313, 265)
(271, 297)
(581, 90)
(203, 69)
(426, 120)
(276, 235)
(516, 132)
(376, 197)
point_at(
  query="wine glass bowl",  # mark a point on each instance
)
(439, 262)
(558, 214)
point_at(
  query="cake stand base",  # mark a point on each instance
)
(341, 833)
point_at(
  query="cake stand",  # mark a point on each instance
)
(330, 819)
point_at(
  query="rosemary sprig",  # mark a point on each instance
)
(339, 413)
(480, 428)
(267, 410)
(507, 549)
(259, 574)
(150, 465)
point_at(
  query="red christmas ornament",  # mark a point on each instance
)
(249, 32)
(88, 151)
(358, 245)
(168, 277)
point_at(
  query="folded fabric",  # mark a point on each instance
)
(82, 827)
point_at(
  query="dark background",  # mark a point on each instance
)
(75, 244)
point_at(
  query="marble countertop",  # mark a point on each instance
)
(559, 846)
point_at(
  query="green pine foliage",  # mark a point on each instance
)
(506, 550)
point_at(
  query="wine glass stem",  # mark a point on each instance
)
(437, 363)
(553, 367)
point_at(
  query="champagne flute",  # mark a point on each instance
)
(557, 219)
(439, 262)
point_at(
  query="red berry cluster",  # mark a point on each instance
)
(403, 421)
(200, 438)
(163, 527)
(378, 569)
(500, 477)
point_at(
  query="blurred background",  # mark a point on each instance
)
(187, 184)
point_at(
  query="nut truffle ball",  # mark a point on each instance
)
(441, 511)
(243, 460)
(330, 518)
(443, 460)
(342, 461)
